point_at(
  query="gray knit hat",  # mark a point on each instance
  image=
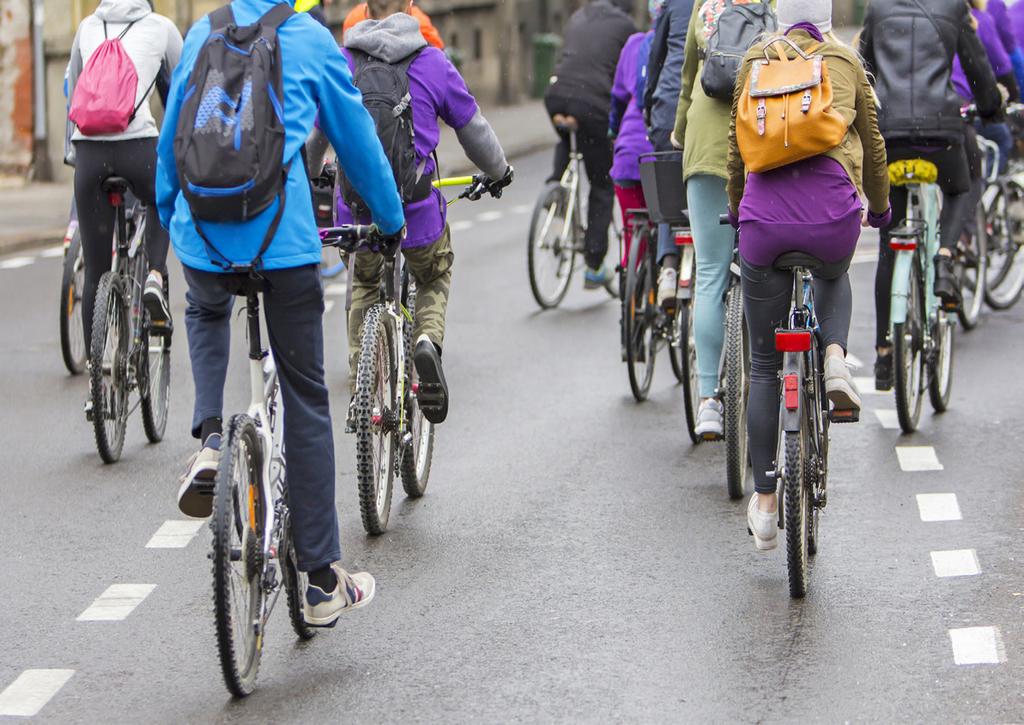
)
(818, 12)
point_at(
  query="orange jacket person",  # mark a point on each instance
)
(430, 34)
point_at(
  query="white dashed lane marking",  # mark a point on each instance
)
(522, 209)
(977, 646)
(489, 216)
(16, 262)
(174, 534)
(116, 603)
(52, 252)
(887, 418)
(28, 694)
(866, 386)
(918, 458)
(958, 562)
(938, 507)
(461, 226)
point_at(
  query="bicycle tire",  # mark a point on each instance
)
(552, 200)
(418, 455)
(293, 588)
(376, 453)
(1004, 289)
(688, 354)
(796, 505)
(737, 377)
(637, 323)
(239, 642)
(108, 384)
(154, 387)
(677, 346)
(73, 347)
(973, 262)
(908, 359)
(940, 376)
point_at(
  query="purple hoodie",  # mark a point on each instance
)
(988, 34)
(632, 138)
(1007, 34)
(1016, 12)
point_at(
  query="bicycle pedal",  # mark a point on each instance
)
(844, 416)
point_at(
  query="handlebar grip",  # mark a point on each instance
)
(723, 219)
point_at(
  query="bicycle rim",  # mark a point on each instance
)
(109, 370)
(551, 257)
(972, 263)
(796, 512)
(238, 562)
(1006, 259)
(688, 355)
(376, 421)
(908, 357)
(940, 378)
(637, 322)
(73, 346)
(155, 360)
(737, 377)
(418, 455)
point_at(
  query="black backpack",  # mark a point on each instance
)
(229, 143)
(737, 29)
(385, 89)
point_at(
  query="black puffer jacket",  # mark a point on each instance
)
(911, 57)
(594, 37)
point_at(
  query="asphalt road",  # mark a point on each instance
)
(575, 558)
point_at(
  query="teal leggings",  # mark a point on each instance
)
(713, 244)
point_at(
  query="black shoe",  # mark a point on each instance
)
(155, 300)
(433, 390)
(883, 372)
(947, 286)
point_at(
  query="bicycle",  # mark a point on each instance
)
(74, 351)
(128, 352)
(1003, 209)
(920, 330)
(557, 229)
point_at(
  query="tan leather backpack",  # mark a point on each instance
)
(785, 113)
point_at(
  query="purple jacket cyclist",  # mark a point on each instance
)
(438, 93)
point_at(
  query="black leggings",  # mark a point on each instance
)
(956, 169)
(766, 296)
(134, 160)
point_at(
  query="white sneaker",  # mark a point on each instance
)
(352, 591)
(839, 384)
(668, 285)
(710, 426)
(763, 525)
(195, 492)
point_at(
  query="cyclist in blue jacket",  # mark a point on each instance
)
(314, 74)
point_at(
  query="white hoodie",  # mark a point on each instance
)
(152, 42)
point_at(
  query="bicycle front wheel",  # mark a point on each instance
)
(737, 383)
(551, 254)
(797, 508)
(108, 375)
(908, 357)
(72, 337)
(638, 318)
(940, 374)
(1005, 256)
(238, 563)
(972, 264)
(377, 420)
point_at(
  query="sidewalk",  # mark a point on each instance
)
(37, 214)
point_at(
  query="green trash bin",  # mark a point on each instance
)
(545, 54)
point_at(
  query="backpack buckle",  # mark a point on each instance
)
(805, 105)
(762, 114)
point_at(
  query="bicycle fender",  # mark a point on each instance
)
(900, 288)
(789, 420)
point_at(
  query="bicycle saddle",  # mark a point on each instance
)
(790, 260)
(566, 123)
(115, 185)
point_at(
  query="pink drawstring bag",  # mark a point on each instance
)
(104, 99)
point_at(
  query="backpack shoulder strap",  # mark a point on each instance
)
(123, 32)
(277, 16)
(222, 17)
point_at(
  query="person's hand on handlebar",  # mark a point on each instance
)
(483, 184)
(387, 243)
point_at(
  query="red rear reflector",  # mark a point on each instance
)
(792, 340)
(791, 391)
(903, 245)
(683, 238)
(115, 198)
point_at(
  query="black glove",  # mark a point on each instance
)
(387, 244)
(495, 187)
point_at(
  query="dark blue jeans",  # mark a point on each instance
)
(293, 307)
(999, 134)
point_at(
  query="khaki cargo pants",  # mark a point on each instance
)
(431, 267)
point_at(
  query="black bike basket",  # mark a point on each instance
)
(661, 175)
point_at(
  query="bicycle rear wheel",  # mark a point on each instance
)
(972, 267)
(734, 397)
(940, 373)
(238, 563)
(73, 346)
(1006, 259)
(293, 587)
(908, 358)
(797, 509)
(638, 320)
(376, 416)
(418, 449)
(108, 375)
(551, 254)
(688, 354)
(154, 366)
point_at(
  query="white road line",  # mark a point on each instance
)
(337, 289)
(957, 562)
(977, 646)
(888, 418)
(328, 306)
(864, 258)
(522, 209)
(52, 252)
(461, 226)
(174, 534)
(116, 603)
(866, 386)
(16, 262)
(938, 507)
(918, 458)
(489, 216)
(28, 694)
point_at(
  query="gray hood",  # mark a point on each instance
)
(123, 11)
(392, 39)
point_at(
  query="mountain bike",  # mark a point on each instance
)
(73, 349)
(920, 330)
(557, 229)
(252, 552)
(128, 351)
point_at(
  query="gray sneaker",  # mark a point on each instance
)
(195, 493)
(322, 609)
(710, 425)
(839, 387)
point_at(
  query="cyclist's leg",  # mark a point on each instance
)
(95, 219)
(208, 326)
(597, 158)
(366, 276)
(294, 304)
(999, 133)
(431, 267)
(714, 248)
(630, 196)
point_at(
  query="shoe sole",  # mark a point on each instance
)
(764, 544)
(433, 391)
(195, 496)
(842, 396)
(329, 622)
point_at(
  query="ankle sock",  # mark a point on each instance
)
(324, 579)
(210, 427)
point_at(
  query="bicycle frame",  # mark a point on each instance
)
(129, 264)
(927, 199)
(571, 181)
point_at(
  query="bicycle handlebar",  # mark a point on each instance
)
(350, 237)
(453, 181)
